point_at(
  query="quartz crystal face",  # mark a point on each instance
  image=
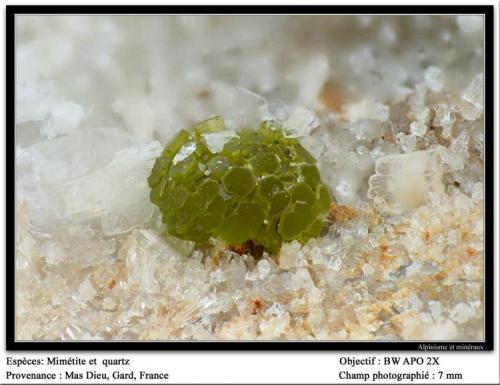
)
(250, 185)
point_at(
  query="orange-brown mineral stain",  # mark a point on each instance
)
(389, 137)
(440, 276)
(384, 256)
(162, 310)
(387, 258)
(383, 248)
(249, 247)
(340, 213)
(215, 259)
(331, 97)
(112, 283)
(244, 248)
(256, 306)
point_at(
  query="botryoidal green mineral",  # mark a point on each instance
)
(247, 185)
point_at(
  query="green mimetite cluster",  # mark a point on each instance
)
(249, 185)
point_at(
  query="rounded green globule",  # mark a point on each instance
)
(248, 185)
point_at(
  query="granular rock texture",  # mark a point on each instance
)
(393, 113)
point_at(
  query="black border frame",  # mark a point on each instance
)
(13, 345)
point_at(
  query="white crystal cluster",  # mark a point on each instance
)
(395, 119)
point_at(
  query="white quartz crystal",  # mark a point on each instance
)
(406, 180)
(184, 152)
(64, 119)
(300, 123)
(440, 331)
(462, 313)
(434, 78)
(368, 109)
(291, 256)
(407, 142)
(53, 251)
(95, 195)
(445, 118)
(262, 271)
(311, 71)
(436, 309)
(460, 145)
(474, 92)
(141, 258)
(86, 290)
(215, 141)
(137, 113)
(418, 128)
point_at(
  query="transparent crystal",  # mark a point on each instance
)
(184, 152)
(462, 313)
(216, 140)
(406, 180)
(474, 92)
(291, 256)
(434, 78)
(53, 251)
(418, 128)
(436, 309)
(300, 123)
(460, 145)
(119, 210)
(64, 118)
(407, 142)
(87, 291)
